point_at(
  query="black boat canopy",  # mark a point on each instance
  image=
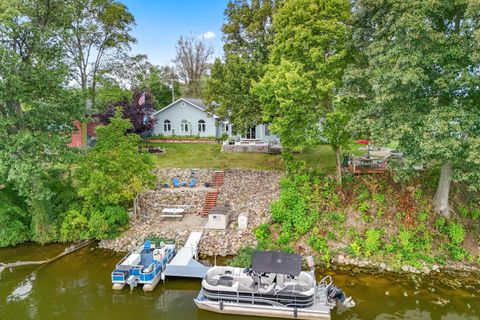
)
(277, 262)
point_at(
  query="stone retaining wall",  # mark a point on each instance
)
(244, 191)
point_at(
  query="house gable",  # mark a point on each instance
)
(184, 118)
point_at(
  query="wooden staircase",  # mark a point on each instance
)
(210, 202)
(218, 178)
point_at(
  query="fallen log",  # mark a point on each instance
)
(67, 250)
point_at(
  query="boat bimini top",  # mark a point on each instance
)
(277, 262)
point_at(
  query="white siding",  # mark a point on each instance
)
(183, 110)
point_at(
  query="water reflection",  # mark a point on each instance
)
(23, 290)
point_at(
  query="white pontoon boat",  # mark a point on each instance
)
(275, 286)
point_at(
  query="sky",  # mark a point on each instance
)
(159, 24)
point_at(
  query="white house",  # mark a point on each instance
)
(189, 117)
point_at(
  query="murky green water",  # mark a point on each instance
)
(78, 287)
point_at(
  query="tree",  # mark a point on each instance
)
(247, 35)
(335, 130)
(36, 110)
(418, 77)
(98, 30)
(115, 170)
(191, 63)
(163, 84)
(308, 57)
(139, 115)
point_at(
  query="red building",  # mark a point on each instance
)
(91, 132)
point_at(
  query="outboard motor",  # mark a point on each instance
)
(336, 294)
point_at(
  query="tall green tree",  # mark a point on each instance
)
(247, 35)
(308, 58)
(36, 109)
(97, 31)
(116, 169)
(418, 78)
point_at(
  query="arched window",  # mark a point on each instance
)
(201, 126)
(184, 126)
(167, 126)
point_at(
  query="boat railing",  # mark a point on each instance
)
(255, 298)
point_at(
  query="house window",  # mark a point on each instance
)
(167, 126)
(251, 133)
(184, 126)
(201, 126)
(225, 127)
(267, 130)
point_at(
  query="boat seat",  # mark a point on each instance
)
(149, 268)
(268, 279)
(267, 289)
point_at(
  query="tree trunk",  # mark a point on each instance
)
(440, 201)
(339, 166)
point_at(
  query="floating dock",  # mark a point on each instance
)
(185, 263)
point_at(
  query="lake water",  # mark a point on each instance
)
(78, 287)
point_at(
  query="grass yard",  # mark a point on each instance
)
(209, 156)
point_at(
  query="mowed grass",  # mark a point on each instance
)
(203, 156)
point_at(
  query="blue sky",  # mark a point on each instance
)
(161, 22)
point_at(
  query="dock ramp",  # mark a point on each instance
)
(184, 263)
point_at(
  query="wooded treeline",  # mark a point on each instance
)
(395, 72)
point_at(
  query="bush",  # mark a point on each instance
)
(456, 234)
(379, 198)
(364, 207)
(319, 244)
(14, 224)
(243, 258)
(107, 223)
(74, 226)
(372, 241)
(336, 216)
(262, 232)
(469, 212)
(355, 248)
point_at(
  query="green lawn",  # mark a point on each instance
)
(209, 156)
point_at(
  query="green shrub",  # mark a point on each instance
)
(292, 209)
(243, 258)
(379, 198)
(319, 244)
(364, 207)
(456, 234)
(14, 224)
(262, 232)
(372, 241)
(107, 223)
(440, 225)
(355, 248)
(364, 195)
(469, 212)
(74, 226)
(336, 216)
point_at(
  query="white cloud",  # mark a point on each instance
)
(208, 35)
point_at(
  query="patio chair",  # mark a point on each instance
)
(147, 245)
(184, 183)
(193, 183)
(176, 183)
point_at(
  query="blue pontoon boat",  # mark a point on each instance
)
(144, 265)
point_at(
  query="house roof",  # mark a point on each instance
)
(197, 103)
